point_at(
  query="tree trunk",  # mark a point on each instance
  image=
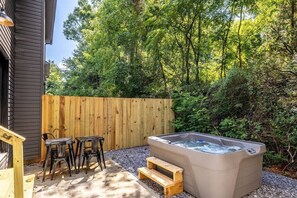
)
(293, 26)
(187, 62)
(239, 38)
(198, 49)
(225, 42)
(163, 74)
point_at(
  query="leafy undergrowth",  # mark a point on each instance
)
(249, 107)
(279, 170)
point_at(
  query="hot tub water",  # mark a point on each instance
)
(207, 147)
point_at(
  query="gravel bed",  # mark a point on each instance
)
(274, 185)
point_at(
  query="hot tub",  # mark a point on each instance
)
(233, 172)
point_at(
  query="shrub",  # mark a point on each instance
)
(282, 140)
(191, 113)
(231, 96)
(260, 109)
(234, 128)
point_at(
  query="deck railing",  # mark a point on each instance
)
(16, 141)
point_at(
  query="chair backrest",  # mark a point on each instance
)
(60, 148)
(93, 142)
(46, 136)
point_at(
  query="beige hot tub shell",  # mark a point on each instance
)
(209, 175)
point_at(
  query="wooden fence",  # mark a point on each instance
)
(123, 122)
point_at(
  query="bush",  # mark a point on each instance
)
(282, 140)
(234, 128)
(260, 109)
(231, 96)
(191, 113)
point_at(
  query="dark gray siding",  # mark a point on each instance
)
(7, 43)
(29, 57)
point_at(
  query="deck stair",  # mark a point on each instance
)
(172, 185)
(7, 184)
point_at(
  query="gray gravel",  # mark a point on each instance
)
(274, 185)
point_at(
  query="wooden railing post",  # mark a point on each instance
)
(18, 167)
(16, 141)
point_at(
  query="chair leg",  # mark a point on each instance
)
(80, 145)
(99, 160)
(83, 162)
(102, 152)
(68, 163)
(72, 157)
(88, 164)
(45, 164)
(54, 169)
(51, 165)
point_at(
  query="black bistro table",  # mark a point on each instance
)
(56, 141)
(79, 145)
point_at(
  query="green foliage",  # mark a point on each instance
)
(234, 128)
(191, 113)
(130, 82)
(270, 115)
(153, 48)
(283, 136)
(271, 157)
(230, 66)
(54, 84)
(231, 95)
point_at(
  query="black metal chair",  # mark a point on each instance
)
(61, 155)
(91, 148)
(46, 136)
(53, 152)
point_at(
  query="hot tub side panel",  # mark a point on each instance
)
(205, 176)
(249, 175)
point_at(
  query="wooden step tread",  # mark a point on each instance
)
(7, 185)
(156, 176)
(6, 182)
(170, 167)
(29, 185)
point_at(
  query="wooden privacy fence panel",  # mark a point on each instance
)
(123, 122)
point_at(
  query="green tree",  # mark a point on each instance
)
(54, 84)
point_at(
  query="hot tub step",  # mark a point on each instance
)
(156, 176)
(156, 161)
(171, 186)
(153, 162)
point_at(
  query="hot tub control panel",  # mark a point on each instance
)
(251, 151)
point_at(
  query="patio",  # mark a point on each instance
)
(113, 181)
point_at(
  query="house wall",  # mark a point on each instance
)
(29, 60)
(7, 43)
(7, 48)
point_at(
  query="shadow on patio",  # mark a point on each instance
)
(113, 181)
